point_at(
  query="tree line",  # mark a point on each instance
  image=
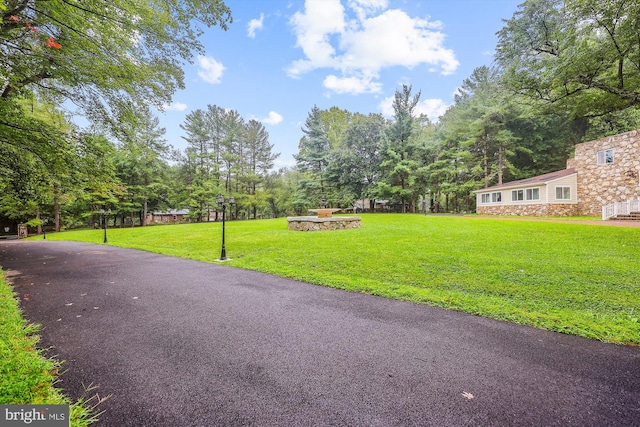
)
(564, 72)
(104, 59)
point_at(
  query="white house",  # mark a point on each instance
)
(552, 194)
(603, 173)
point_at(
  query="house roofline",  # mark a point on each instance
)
(534, 181)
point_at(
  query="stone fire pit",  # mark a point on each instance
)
(324, 221)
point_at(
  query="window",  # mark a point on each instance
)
(533, 194)
(605, 157)
(517, 195)
(491, 197)
(563, 193)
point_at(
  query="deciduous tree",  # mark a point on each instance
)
(583, 55)
(102, 56)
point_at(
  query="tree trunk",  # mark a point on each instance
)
(144, 213)
(39, 227)
(56, 206)
(404, 209)
(485, 163)
(500, 162)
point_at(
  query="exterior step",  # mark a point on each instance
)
(633, 216)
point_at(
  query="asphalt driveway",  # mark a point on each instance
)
(185, 343)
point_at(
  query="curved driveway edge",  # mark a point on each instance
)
(186, 343)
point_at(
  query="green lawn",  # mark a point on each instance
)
(568, 277)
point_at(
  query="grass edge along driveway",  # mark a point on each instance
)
(26, 375)
(566, 277)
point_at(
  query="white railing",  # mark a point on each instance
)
(620, 208)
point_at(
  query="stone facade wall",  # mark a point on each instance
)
(539, 209)
(313, 223)
(600, 185)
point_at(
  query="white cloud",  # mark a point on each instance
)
(313, 28)
(386, 106)
(176, 106)
(352, 85)
(394, 38)
(210, 70)
(361, 47)
(363, 8)
(254, 25)
(432, 108)
(273, 119)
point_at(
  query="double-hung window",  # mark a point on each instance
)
(517, 195)
(563, 193)
(496, 197)
(486, 198)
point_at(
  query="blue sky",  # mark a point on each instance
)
(279, 58)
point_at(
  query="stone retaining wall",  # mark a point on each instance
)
(530, 210)
(313, 223)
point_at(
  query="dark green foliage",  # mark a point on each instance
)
(312, 160)
(226, 155)
(399, 151)
(566, 72)
(582, 55)
(355, 163)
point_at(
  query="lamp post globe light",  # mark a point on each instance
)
(223, 203)
(105, 217)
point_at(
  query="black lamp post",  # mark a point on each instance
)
(44, 231)
(105, 218)
(223, 203)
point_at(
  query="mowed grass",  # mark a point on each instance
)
(567, 277)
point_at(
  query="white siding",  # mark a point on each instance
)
(547, 193)
(568, 181)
